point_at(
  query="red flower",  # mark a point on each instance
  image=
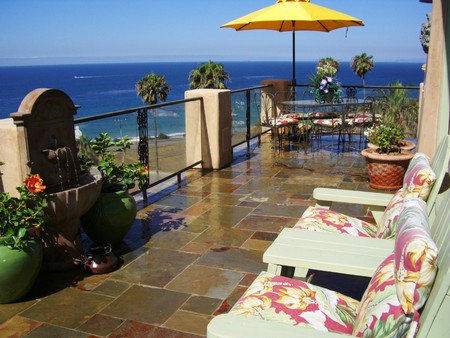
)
(144, 170)
(34, 184)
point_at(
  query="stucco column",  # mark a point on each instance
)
(208, 128)
(433, 124)
(280, 92)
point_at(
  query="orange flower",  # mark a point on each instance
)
(144, 170)
(34, 184)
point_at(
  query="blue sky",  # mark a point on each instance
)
(87, 31)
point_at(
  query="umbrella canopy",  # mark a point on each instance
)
(294, 15)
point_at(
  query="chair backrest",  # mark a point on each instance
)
(434, 320)
(265, 104)
(439, 164)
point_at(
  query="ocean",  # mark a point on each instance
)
(102, 88)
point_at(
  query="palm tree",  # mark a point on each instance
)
(361, 65)
(208, 75)
(151, 88)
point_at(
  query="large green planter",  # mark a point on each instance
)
(111, 217)
(18, 270)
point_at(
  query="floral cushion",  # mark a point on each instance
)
(326, 220)
(380, 313)
(290, 301)
(419, 177)
(331, 123)
(415, 255)
(388, 223)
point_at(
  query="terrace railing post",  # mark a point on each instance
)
(142, 121)
(247, 120)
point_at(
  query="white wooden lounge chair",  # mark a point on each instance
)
(250, 318)
(295, 251)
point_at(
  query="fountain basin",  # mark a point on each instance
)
(61, 235)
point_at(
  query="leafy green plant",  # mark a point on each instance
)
(400, 109)
(328, 90)
(20, 215)
(388, 138)
(114, 170)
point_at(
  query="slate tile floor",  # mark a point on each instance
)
(191, 253)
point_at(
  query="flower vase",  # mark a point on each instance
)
(19, 269)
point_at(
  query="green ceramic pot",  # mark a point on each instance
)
(111, 217)
(18, 270)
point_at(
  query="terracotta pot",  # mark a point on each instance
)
(386, 171)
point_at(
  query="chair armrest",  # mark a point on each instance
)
(351, 196)
(236, 326)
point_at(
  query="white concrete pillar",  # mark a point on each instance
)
(208, 128)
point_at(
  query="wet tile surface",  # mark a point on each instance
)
(191, 253)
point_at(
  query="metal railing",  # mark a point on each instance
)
(246, 117)
(163, 152)
(159, 130)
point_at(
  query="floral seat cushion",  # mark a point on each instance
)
(390, 305)
(415, 255)
(330, 123)
(290, 301)
(401, 284)
(326, 220)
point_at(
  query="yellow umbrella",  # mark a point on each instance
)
(294, 15)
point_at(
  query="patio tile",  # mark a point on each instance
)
(11, 309)
(255, 244)
(233, 259)
(198, 208)
(223, 236)
(112, 288)
(133, 328)
(272, 209)
(201, 304)
(263, 223)
(179, 201)
(173, 240)
(56, 331)
(156, 268)
(225, 199)
(101, 325)
(18, 327)
(223, 215)
(219, 283)
(146, 304)
(248, 279)
(68, 308)
(198, 248)
(189, 322)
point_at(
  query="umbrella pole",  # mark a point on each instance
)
(294, 82)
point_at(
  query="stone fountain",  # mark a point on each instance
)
(40, 139)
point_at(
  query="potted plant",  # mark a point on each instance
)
(324, 85)
(111, 217)
(20, 253)
(386, 160)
